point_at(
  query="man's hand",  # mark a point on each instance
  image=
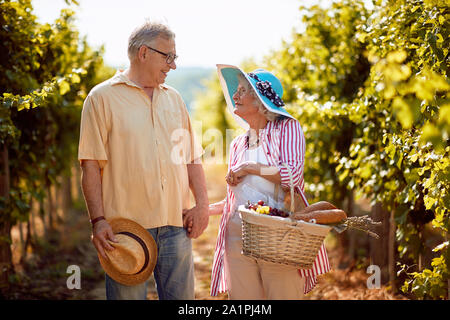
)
(91, 185)
(195, 220)
(198, 214)
(101, 233)
(187, 221)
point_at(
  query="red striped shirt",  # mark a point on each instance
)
(283, 142)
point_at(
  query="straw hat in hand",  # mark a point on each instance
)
(134, 256)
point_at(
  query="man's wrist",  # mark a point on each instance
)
(203, 205)
(95, 220)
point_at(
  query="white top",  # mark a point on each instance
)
(255, 187)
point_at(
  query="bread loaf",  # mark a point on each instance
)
(329, 216)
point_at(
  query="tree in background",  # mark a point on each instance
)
(370, 87)
(322, 66)
(47, 71)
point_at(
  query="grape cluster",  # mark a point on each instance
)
(260, 207)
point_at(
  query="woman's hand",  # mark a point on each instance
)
(237, 174)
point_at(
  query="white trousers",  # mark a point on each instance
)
(251, 279)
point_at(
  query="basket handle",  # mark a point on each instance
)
(291, 185)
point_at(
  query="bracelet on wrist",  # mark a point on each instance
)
(94, 221)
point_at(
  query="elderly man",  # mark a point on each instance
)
(139, 161)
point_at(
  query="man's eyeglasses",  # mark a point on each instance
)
(170, 57)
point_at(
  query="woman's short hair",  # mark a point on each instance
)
(270, 116)
(146, 34)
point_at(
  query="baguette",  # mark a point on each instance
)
(328, 216)
(321, 205)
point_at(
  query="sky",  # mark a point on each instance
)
(207, 32)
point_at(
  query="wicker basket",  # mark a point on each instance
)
(281, 240)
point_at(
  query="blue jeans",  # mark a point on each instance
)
(174, 270)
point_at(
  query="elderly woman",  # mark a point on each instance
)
(269, 154)
(263, 157)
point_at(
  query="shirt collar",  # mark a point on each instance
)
(121, 77)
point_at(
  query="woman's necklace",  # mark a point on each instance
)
(253, 144)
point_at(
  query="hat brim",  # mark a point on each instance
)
(228, 78)
(125, 225)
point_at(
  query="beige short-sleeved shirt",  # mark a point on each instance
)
(143, 147)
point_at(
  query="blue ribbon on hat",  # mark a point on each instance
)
(265, 88)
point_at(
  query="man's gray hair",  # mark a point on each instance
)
(146, 34)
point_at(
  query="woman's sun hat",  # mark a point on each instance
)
(267, 87)
(134, 256)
